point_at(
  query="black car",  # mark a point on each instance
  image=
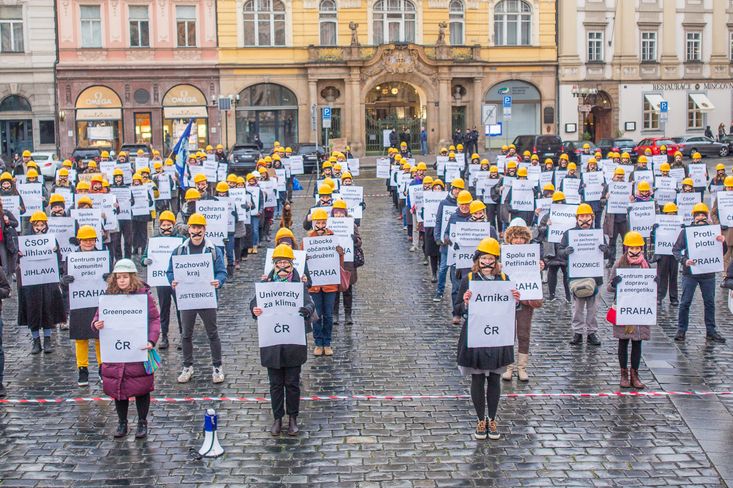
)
(616, 145)
(312, 154)
(243, 158)
(728, 140)
(704, 145)
(132, 149)
(86, 154)
(547, 146)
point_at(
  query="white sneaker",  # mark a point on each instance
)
(217, 376)
(413, 249)
(186, 374)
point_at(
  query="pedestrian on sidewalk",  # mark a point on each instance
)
(633, 257)
(484, 364)
(283, 361)
(125, 380)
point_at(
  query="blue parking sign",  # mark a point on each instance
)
(507, 101)
(664, 106)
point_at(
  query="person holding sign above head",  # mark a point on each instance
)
(197, 244)
(40, 304)
(727, 210)
(484, 351)
(667, 265)
(584, 289)
(122, 380)
(633, 257)
(554, 261)
(695, 254)
(446, 208)
(284, 354)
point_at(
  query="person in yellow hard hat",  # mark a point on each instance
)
(220, 153)
(633, 258)
(198, 244)
(696, 165)
(615, 225)
(677, 161)
(63, 181)
(140, 221)
(446, 208)
(340, 210)
(257, 210)
(667, 265)
(585, 307)
(716, 182)
(499, 193)
(40, 306)
(222, 193)
(554, 261)
(727, 229)
(690, 280)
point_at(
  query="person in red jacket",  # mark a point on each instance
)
(124, 380)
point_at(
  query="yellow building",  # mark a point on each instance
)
(383, 64)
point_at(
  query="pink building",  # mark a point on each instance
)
(136, 72)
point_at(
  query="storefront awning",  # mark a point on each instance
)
(702, 102)
(654, 100)
(185, 112)
(98, 114)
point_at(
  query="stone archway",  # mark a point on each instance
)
(598, 122)
(394, 105)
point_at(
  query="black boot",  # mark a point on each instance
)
(142, 429)
(163, 344)
(47, 345)
(593, 339)
(577, 339)
(348, 319)
(121, 430)
(293, 425)
(83, 376)
(36, 349)
(277, 427)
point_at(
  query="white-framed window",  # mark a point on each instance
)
(693, 46)
(393, 21)
(730, 45)
(595, 46)
(512, 23)
(139, 26)
(91, 25)
(650, 116)
(264, 23)
(186, 25)
(11, 29)
(694, 115)
(328, 22)
(455, 24)
(648, 46)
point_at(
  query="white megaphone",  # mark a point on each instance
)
(211, 446)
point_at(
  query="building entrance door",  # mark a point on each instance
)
(16, 136)
(393, 106)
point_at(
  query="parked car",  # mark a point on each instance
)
(704, 145)
(728, 140)
(82, 155)
(573, 149)
(654, 143)
(47, 162)
(545, 146)
(616, 145)
(131, 149)
(312, 154)
(243, 158)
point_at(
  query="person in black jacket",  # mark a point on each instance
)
(4, 293)
(690, 281)
(283, 361)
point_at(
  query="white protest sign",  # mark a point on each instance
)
(666, 234)
(11, 203)
(124, 197)
(642, 217)
(506, 185)
(323, 260)
(657, 161)
(725, 208)
(255, 192)
(159, 252)
(465, 237)
(685, 202)
(562, 218)
(281, 179)
(704, 249)
(164, 188)
(298, 262)
(571, 189)
(124, 337)
(269, 190)
(592, 192)
(643, 175)
(618, 197)
(453, 170)
(90, 216)
(592, 178)
(66, 193)
(699, 174)
(63, 228)
(665, 189)
(140, 203)
(522, 196)
(106, 203)
(491, 314)
(141, 162)
(354, 166)
(32, 195)
(107, 168)
(415, 197)
(296, 165)
(543, 204)
(636, 297)
(38, 261)
(193, 274)
(88, 269)
(484, 187)
(678, 174)
(280, 322)
(383, 170)
(521, 263)
(430, 201)
(216, 213)
(559, 176)
(587, 259)
(448, 210)
(343, 227)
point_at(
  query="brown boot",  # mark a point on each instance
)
(507, 375)
(277, 427)
(624, 383)
(635, 381)
(293, 426)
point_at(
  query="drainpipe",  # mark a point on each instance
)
(55, 81)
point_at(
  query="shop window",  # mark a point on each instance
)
(393, 21)
(512, 23)
(11, 29)
(455, 17)
(47, 129)
(264, 23)
(143, 129)
(91, 26)
(139, 26)
(694, 114)
(186, 25)
(328, 23)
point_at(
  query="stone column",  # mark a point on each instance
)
(444, 110)
(477, 105)
(719, 63)
(356, 138)
(669, 60)
(313, 99)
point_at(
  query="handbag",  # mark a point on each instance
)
(345, 280)
(153, 362)
(611, 315)
(358, 257)
(583, 287)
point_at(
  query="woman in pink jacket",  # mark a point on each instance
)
(124, 380)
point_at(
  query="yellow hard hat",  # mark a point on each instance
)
(476, 206)
(67, 163)
(289, 149)
(39, 216)
(619, 171)
(86, 232)
(677, 153)
(558, 196)
(526, 153)
(85, 200)
(421, 166)
(549, 161)
(283, 251)
(728, 181)
(32, 173)
(92, 164)
(140, 152)
(511, 164)
(240, 180)
(199, 178)
(168, 162)
(97, 178)
(720, 167)
(548, 187)
(346, 175)
(642, 159)
(688, 182)
(451, 154)
(504, 147)
(464, 197)
(105, 154)
(584, 209)
(122, 154)
(563, 156)
(340, 204)
(325, 189)
(192, 194)
(167, 215)
(327, 164)
(493, 169)
(56, 198)
(484, 162)
(625, 155)
(572, 166)
(83, 185)
(26, 154)
(261, 170)
(633, 239)
(669, 207)
(522, 172)
(427, 180)
(64, 172)
(197, 219)
(592, 161)
(458, 183)
(475, 156)
(488, 245)
(209, 147)
(319, 214)
(700, 208)
(137, 177)
(438, 182)
(118, 172)
(222, 187)
(220, 146)
(696, 155)
(451, 148)
(405, 166)
(231, 178)
(644, 186)
(282, 233)
(664, 167)
(105, 183)
(33, 164)
(586, 146)
(459, 147)
(157, 165)
(534, 157)
(156, 152)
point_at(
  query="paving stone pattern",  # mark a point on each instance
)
(401, 343)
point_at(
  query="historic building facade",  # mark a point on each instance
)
(137, 72)
(620, 61)
(27, 57)
(381, 64)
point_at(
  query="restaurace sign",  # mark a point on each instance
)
(712, 85)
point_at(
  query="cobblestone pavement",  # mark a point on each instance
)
(401, 343)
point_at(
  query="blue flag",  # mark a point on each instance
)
(180, 153)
